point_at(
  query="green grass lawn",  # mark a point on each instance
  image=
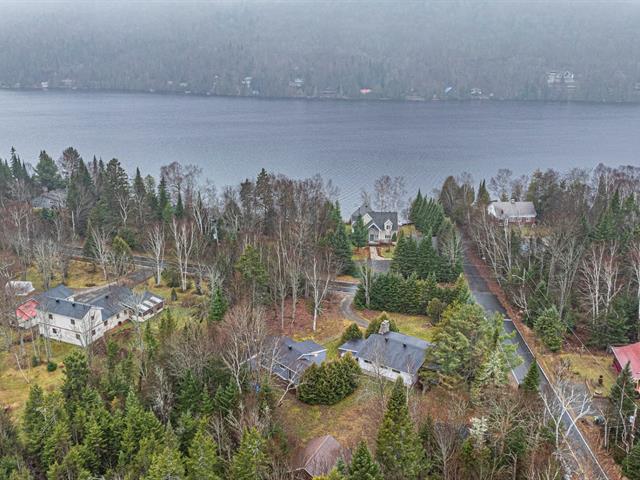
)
(348, 421)
(587, 367)
(15, 384)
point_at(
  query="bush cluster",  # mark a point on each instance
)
(330, 382)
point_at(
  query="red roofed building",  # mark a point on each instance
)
(26, 313)
(628, 354)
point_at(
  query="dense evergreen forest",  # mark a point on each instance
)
(395, 50)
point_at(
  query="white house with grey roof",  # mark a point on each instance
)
(381, 226)
(81, 319)
(388, 354)
(512, 212)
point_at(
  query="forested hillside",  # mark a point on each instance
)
(396, 50)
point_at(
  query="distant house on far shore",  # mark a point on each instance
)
(382, 227)
(513, 212)
(53, 199)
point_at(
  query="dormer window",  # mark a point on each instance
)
(388, 225)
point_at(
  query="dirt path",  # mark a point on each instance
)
(346, 308)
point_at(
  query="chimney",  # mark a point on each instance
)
(384, 327)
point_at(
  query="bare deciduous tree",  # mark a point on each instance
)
(46, 257)
(320, 271)
(184, 242)
(101, 249)
(155, 244)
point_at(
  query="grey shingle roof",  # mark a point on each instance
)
(296, 355)
(393, 350)
(113, 301)
(377, 218)
(61, 291)
(65, 308)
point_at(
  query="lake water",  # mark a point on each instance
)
(352, 143)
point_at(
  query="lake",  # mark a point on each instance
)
(351, 143)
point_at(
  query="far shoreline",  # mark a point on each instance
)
(166, 93)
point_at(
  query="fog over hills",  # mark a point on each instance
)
(378, 49)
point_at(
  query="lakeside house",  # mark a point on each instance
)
(292, 358)
(628, 354)
(382, 227)
(59, 315)
(389, 354)
(53, 199)
(513, 212)
(317, 458)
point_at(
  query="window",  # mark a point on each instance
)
(50, 317)
(73, 322)
(395, 371)
(77, 336)
(104, 323)
(366, 361)
(117, 315)
(54, 330)
(93, 332)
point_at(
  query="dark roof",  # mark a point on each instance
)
(61, 291)
(319, 456)
(377, 218)
(392, 350)
(296, 356)
(352, 345)
(112, 301)
(52, 199)
(67, 308)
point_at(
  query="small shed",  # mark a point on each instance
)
(317, 458)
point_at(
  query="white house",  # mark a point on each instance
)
(60, 316)
(388, 354)
(381, 226)
(512, 212)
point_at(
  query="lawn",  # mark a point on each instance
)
(414, 325)
(81, 275)
(588, 367)
(14, 387)
(350, 420)
(386, 251)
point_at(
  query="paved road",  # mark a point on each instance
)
(584, 460)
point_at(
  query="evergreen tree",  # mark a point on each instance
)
(226, 398)
(339, 241)
(352, 332)
(399, 451)
(405, 256)
(374, 325)
(428, 261)
(631, 464)
(622, 394)
(46, 172)
(189, 396)
(549, 327)
(33, 421)
(202, 462)
(531, 382)
(250, 461)
(483, 198)
(179, 210)
(253, 272)
(122, 256)
(363, 466)
(76, 376)
(219, 305)
(166, 464)
(359, 235)
(163, 198)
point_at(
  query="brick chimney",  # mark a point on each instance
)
(384, 327)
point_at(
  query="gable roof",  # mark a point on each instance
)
(377, 218)
(392, 350)
(629, 354)
(111, 302)
(61, 291)
(297, 356)
(51, 199)
(514, 209)
(319, 456)
(66, 308)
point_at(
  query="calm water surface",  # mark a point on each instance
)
(352, 143)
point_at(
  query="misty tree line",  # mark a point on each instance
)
(335, 49)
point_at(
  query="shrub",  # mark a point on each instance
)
(52, 366)
(352, 332)
(435, 308)
(330, 382)
(171, 277)
(174, 295)
(549, 327)
(35, 361)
